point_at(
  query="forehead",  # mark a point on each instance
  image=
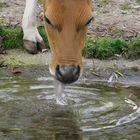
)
(66, 6)
(68, 11)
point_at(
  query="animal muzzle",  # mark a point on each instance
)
(67, 73)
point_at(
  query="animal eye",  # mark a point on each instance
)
(48, 21)
(89, 21)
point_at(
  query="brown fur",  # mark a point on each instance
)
(66, 37)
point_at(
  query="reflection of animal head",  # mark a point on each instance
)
(57, 123)
(63, 124)
(66, 25)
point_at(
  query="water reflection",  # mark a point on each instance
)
(28, 111)
(56, 123)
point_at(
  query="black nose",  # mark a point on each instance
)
(67, 73)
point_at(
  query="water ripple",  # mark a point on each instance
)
(31, 103)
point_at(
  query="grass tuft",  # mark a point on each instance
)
(133, 51)
(103, 47)
(12, 37)
(89, 47)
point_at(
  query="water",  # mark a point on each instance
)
(28, 110)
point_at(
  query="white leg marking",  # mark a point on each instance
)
(29, 22)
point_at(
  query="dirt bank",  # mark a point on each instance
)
(108, 71)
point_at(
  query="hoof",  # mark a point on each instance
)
(30, 47)
(41, 47)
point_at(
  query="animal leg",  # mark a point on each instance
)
(31, 35)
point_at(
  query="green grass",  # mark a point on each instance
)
(13, 37)
(107, 47)
(89, 48)
(101, 47)
(44, 36)
(133, 50)
(138, 1)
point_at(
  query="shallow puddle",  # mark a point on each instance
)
(99, 112)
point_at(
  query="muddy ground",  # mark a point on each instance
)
(99, 71)
(112, 17)
(108, 76)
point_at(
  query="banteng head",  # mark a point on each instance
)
(66, 25)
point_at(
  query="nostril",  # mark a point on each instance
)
(67, 73)
(58, 70)
(78, 69)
